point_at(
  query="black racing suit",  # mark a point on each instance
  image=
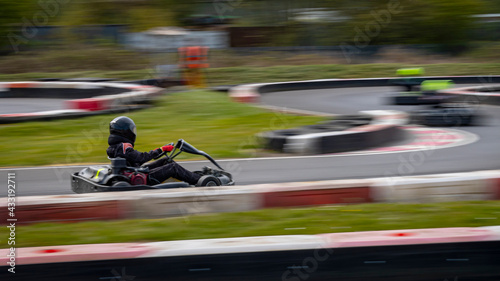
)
(159, 170)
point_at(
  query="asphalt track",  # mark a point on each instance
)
(484, 154)
(23, 105)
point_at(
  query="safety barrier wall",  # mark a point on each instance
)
(252, 92)
(482, 185)
(410, 254)
(383, 128)
(83, 99)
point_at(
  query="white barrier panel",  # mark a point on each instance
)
(437, 188)
(182, 202)
(235, 245)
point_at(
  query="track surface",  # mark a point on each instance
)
(23, 105)
(483, 154)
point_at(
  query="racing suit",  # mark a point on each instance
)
(159, 170)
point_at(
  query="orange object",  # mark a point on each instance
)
(193, 57)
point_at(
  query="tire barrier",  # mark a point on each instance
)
(422, 254)
(252, 92)
(83, 98)
(298, 141)
(344, 133)
(482, 185)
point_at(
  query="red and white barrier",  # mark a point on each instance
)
(328, 242)
(69, 208)
(245, 93)
(181, 202)
(408, 237)
(133, 94)
(75, 253)
(483, 185)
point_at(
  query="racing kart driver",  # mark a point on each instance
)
(122, 134)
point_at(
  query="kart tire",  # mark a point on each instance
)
(208, 180)
(275, 140)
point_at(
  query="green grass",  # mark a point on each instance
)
(252, 74)
(208, 120)
(324, 219)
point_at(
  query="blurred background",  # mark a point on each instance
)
(61, 36)
(250, 41)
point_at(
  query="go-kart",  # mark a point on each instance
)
(120, 177)
(427, 94)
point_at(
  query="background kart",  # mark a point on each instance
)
(451, 114)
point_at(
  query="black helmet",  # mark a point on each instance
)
(124, 127)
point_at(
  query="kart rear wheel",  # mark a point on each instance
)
(208, 180)
(119, 184)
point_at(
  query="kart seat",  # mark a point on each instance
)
(117, 164)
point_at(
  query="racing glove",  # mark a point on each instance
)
(167, 148)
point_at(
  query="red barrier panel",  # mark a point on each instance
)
(496, 186)
(68, 212)
(74, 253)
(22, 85)
(316, 196)
(246, 98)
(88, 104)
(407, 237)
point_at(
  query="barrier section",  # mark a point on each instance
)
(438, 188)
(408, 237)
(496, 187)
(91, 104)
(317, 193)
(67, 208)
(187, 201)
(383, 128)
(235, 245)
(74, 253)
(81, 98)
(248, 93)
(482, 185)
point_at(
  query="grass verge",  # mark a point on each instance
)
(208, 120)
(324, 219)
